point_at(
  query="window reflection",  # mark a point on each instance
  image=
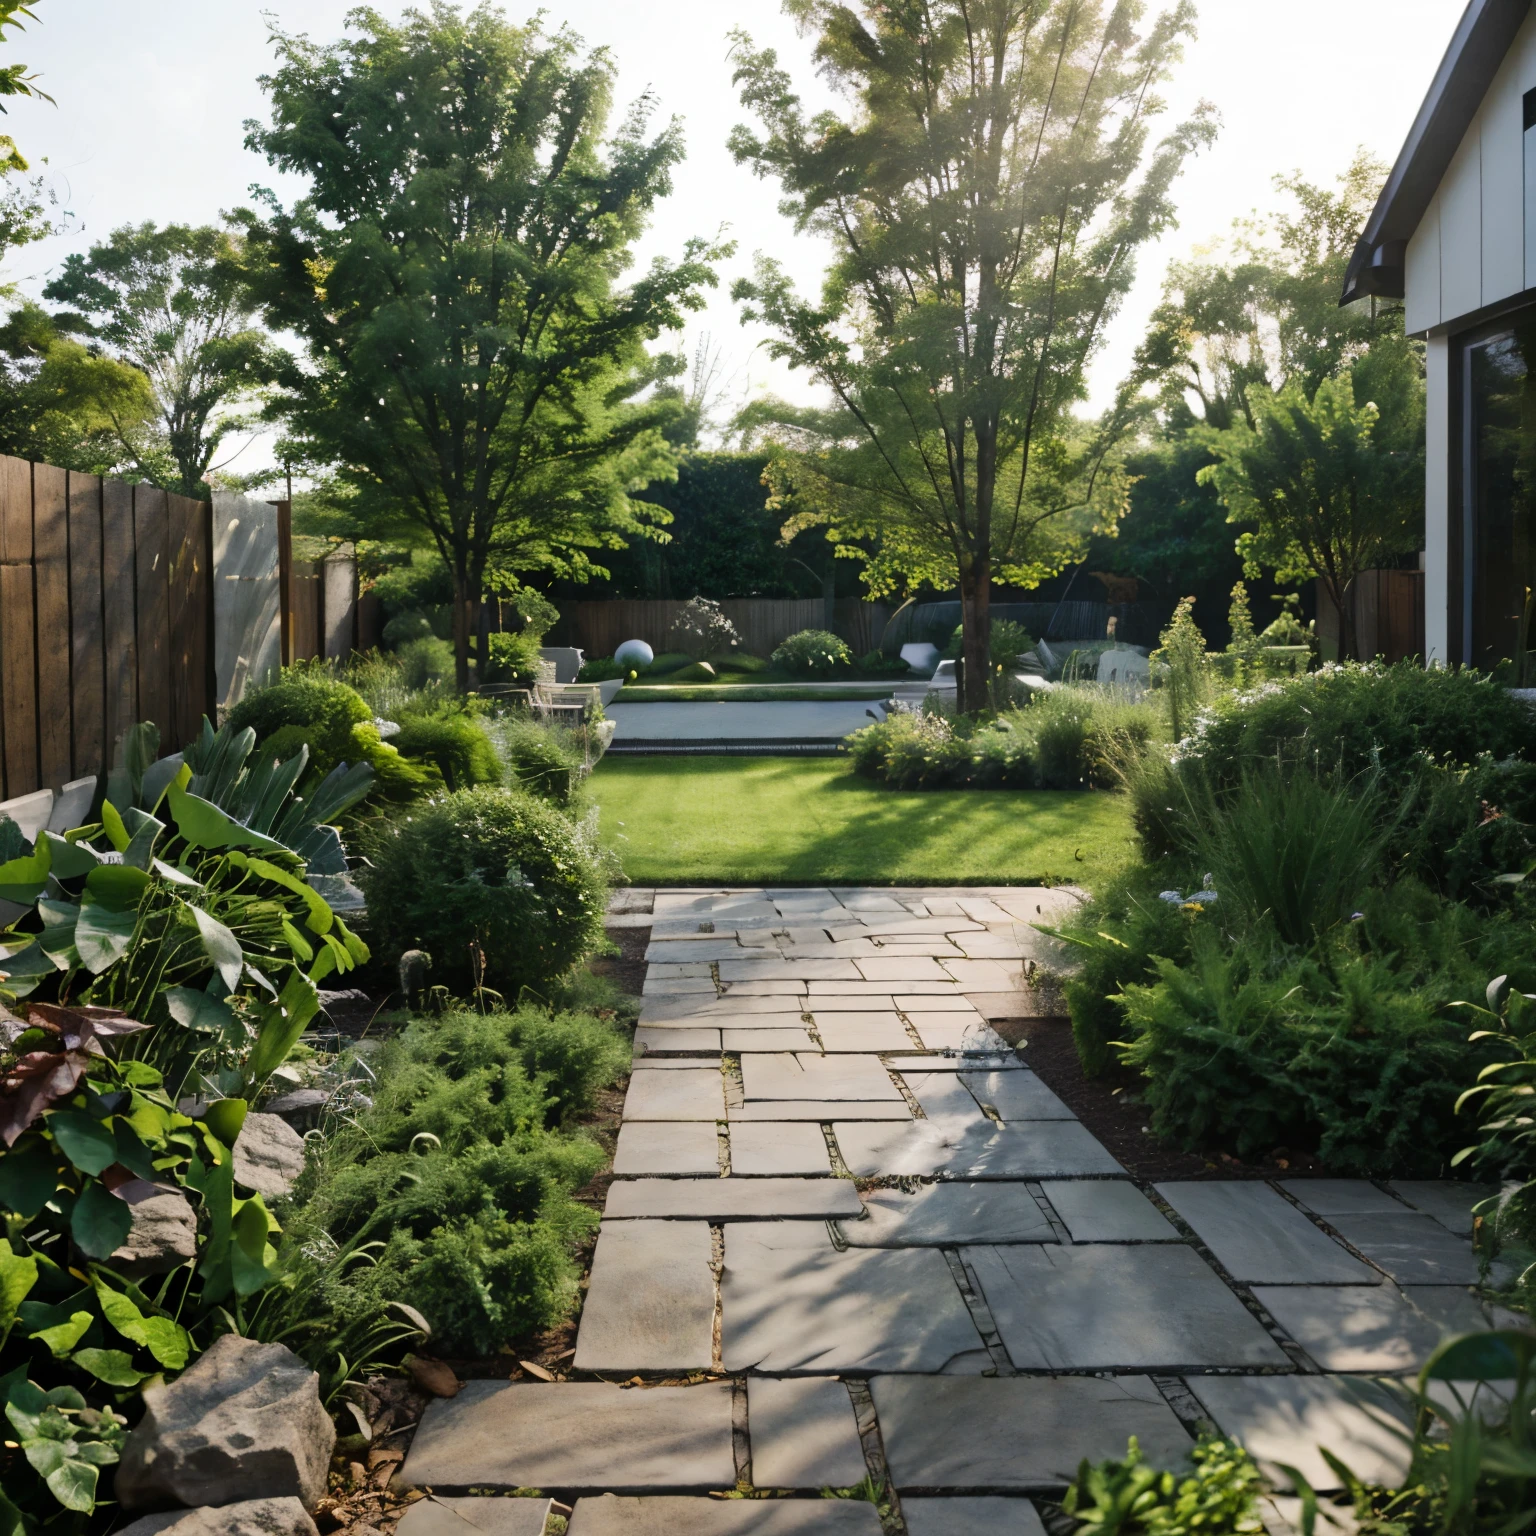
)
(1500, 569)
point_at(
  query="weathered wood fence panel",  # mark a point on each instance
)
(1389, 616)
(105, 612)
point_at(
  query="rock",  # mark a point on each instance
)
(269, 1155)
(245, 1420)
(255, 1517)
(433, 1376)
(302, 1108)
(163, 1236)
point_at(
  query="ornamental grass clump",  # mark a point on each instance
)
(812, 653)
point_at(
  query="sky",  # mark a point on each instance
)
(152, 95)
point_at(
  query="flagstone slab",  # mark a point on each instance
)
(903, 969)
(948, 1215)
(1016, 1095)
(1260, 1238)
(667, 1147)
(803, 1076)
(935, 1002)
(651, 1299)
(616, 1516)
(732, 1199)
(862, 1038)
(475, 1517)
(877, 989)
(705, 1041)
(828, 949)
(1105, 1307)
(985, 975)
(1341, 1197)
(1413, 1248)
(820, 1109)
(778, 1147)
(777, 1040)
(576, 1436)
(792, 1304)
(691, 953)
(971, 1517)
(1284, 1420)
(674, 1063)
(956, 1032)
(1013, 1433)
(800, 970)
(696, 1095)
(839, 1004)
(1045, 1149)
(803, 1434)
(1108, 1211)
(1449, 1201)
(659, 988)
(945, 1099)
(988, 946)
(954, 1061)
(776, 987)
(1376, 1328)
(704, 1009)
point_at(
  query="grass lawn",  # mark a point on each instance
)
(812, 821)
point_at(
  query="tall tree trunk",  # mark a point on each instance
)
(976, 638)
(466, 621)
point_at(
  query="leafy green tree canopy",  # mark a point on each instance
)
(170, 303)
(454, 273)
(984, 195)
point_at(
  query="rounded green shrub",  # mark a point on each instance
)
(513, 659)
(541, 759)
(323, 709)
(486, 877)
(601, 669)
(459, 748)
(813, 653)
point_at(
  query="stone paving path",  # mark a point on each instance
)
(992, 1301)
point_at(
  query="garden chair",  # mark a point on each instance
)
(566, 703)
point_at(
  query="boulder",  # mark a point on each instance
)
(269, 1155)
(244, 1422)
(256, 1517)
(302, 1108)
(163, 1236)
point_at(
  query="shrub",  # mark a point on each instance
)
(601, 669)
(1119, 1498)
(1352, 1051)
(456, 745)
(542, 759)
(812, 653)
(315, 701)
(1084, 737)
(486, 877)
(739, 661)
(878, 664)
(700, 629)
(513, 660)
(1183, 667)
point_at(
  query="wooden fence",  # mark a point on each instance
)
(106, 609)
(1389, 616)
(599, 627)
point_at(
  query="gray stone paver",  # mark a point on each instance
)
(651, 1300)
(467, 1517)
(767, 1147)
(1017, 1432)
(667, 1147)
(1097, 1306)
(611, 1516)
(791, 1304)
(732, 1199)
(971, 1517)
(577, 1436)
(1079, 1272)
(1108, 1211)
(803, 1434)
(947, 1215)
(1259, 1237)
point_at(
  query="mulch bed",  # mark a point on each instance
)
(1111, 1108)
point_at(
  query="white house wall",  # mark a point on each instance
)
(1469, 251)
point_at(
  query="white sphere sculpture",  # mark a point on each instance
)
(634, 653)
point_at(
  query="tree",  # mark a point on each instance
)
(170, 303)
(474, 364)
(1328, 496)
(984, 197)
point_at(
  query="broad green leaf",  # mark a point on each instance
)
(22, 880)
(112, 1366)
(359, 951)
(116, 886)
(72, 1482)
(198, 1011)
(64, 1336)
(58, 935)
(300, 946)
(18, 1274)
(25, 1405)
(25, 969)
(146, 833)
(320, 916)
(103, 934)
(167, 1341)
(158, 776)
(86, 1141)
(100, 1222)
(131, 1151)
(112, 825)
(225, 1119)
(11, 1521)
(1494, 1356)
(222, 948)
(28, 1179)
(281, 1025)
(205, 826)
(174, 876)
(70, 859)
(325, 964)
